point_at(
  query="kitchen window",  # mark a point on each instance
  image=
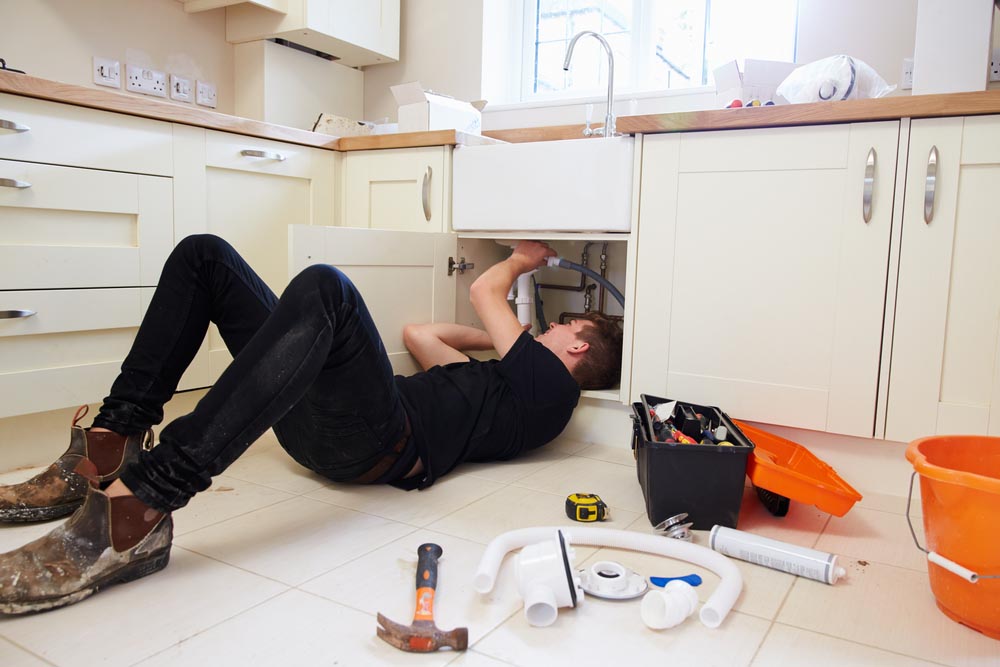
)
(657, 44)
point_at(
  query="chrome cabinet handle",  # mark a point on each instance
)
(12, 126)
(866, 198)
(426, 194)
(264, 154)
(931, 185)
(15, 314)
(14, 183)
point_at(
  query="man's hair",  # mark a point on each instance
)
(600, 367)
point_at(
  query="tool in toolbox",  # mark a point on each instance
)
(586, 507)
(422, 636)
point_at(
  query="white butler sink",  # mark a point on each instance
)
(574, 185)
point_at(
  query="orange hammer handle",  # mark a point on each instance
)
(427, 576)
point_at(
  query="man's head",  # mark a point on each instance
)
(590, 347)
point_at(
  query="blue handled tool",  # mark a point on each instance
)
(692, 579)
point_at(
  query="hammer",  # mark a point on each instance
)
(423, 636)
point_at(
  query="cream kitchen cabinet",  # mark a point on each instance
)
(405, 278)
(247, 191)
(404, 189)
(945, 370)
(357, 33)
(762, 271)
(86, 221)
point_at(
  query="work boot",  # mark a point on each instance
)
(108, 541)
(61, 487)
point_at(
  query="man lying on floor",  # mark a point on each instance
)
(312, 366)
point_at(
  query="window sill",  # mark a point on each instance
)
(620, 97)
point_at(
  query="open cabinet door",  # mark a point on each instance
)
(403, 276)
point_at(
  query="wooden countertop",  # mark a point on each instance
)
(888, 108)
(187, 114)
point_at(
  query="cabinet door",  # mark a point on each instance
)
(403, 276)
(760, 287)
(404, 189)
(66, 227)
(248, 191)
(68, 350)
(945, 373)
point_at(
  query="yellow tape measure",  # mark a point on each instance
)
(586, 507)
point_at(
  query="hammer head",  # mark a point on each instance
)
(422, 636)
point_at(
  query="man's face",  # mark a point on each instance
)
(560, 337)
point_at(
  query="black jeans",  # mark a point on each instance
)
(311, 364)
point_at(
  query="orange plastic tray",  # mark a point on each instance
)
(791, 470)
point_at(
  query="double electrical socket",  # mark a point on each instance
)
(995, 65)
(146, 81)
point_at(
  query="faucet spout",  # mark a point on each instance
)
(609, 119)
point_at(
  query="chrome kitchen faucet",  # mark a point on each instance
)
(609, 120)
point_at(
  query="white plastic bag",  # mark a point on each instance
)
(833, 78)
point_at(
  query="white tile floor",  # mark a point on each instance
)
(275, 566)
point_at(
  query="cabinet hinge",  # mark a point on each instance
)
(461, 265)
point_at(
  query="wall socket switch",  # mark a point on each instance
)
(146, 81)
(205, 94)
(107, 72)
(180, 88)
(906, 75)
(995, 65)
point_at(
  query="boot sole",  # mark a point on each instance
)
(34, 514)
(154, 563)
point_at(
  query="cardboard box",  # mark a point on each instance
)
(421, 110)
(759, 82)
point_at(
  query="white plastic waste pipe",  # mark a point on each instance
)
(712, 613)
(524, 299)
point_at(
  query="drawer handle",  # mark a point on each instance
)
(270, 155)
(931, 185)
(14, 183)
(425, 196)
(866, 199)
(15, 314)
(12, 126)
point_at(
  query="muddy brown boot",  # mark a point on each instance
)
(61, 488)
(109, 541)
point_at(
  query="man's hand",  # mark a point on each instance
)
(530, 255)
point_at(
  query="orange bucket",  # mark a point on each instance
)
(960, 488)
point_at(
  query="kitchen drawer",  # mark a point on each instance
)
(234, 151)
(69, 351)
(82, 227)
(78, 137)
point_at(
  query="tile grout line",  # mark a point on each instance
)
(206, 629)
(763, 641)
(857, 643)
(29, 652)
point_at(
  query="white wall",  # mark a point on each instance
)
(285, 86)
(440, 45)
(56, 39)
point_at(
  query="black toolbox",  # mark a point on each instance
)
(705, 481)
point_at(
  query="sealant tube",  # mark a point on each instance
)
(776, 555)
(713, 612)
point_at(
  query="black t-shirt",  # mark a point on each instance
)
(487, 410)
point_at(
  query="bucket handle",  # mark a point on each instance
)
(937, 558)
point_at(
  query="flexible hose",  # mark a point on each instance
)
(566, 264)
(712, 613)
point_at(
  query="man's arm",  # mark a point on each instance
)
(489, 293)
(441, 343)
